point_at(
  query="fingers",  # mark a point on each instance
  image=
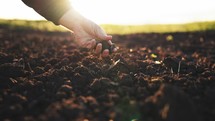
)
(93, 43)
(100, 33)
(86, 39)
(105, 53)
(89, 44)
(98, 48)
(110, 42)
(115, 49)
(103, 48)
(108, 37)
(99, 51)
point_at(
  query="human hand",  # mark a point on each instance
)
(87, 33)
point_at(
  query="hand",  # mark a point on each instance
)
(86, 32)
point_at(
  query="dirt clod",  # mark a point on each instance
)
(45, 77)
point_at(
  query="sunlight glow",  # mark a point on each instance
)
(124, 11)
(16, 9)
(146, 11)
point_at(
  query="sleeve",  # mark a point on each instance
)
(51, 10)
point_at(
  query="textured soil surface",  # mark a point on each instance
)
(153, 77)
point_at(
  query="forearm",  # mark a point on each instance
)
(72, 19)
(52, 10)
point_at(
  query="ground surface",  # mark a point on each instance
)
(153, 77)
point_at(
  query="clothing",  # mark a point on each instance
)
(52, 10)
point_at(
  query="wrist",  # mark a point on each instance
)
(70, 19)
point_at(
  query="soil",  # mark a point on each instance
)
(44, 76)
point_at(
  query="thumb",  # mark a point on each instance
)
(100, 34)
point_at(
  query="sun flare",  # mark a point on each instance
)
(124, 11)
(145, 11)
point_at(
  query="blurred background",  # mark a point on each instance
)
(132, 12)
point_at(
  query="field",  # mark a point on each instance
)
(155, 76)
(111, 28)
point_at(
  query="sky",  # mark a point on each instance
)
(124, 11)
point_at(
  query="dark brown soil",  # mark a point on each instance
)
(153, 77)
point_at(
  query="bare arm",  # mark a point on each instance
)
(52, 10)
(86, 31)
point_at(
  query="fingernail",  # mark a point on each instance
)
(115, 49)
(110, 42)
(108, 37)
(98, 48)
(105, 53)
